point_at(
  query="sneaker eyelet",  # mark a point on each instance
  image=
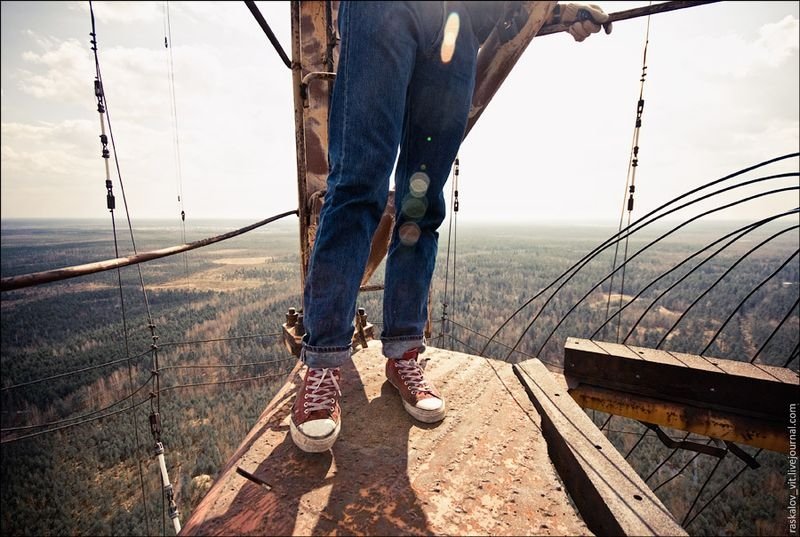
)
(305, 412)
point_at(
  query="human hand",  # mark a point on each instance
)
(582, 19)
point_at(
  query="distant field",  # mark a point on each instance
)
(221, 308)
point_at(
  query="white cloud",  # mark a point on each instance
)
(735, 56)
(780, 40)
(63, 70)
(44, 151)
(554, 143)
(126, 12)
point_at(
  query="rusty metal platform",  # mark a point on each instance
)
(484, 470)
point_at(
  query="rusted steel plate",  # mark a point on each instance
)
(484, 470)
(612, 498)
(312, 52)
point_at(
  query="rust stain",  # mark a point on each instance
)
(483, 470)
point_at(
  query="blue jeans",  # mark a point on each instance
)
(392, 91)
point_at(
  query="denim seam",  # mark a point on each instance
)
(333, 348)
(401, 338)
(345, 94)
(439, 36)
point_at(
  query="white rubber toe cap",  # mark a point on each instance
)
(429, 403)
(317, 428)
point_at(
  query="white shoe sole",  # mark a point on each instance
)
(313, 445)
(425, 416)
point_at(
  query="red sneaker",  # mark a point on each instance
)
(316, 416)
(420, 398)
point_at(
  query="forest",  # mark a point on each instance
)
(195, 339)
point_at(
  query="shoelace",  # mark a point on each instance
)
(411, 374)
(322, 395)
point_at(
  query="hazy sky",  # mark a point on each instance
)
(721, 93)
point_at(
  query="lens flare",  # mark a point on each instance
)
(414, 208)
(450, 36)
(409, 234)
(418, 185)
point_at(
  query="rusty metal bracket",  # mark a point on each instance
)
(255, 479)
(293, 331)
(306, 82)
(683, 444)
(364, 331)
(743, 455)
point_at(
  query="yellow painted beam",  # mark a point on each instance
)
(705, 421)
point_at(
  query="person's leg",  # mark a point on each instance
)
(439, 99)
(376, 58)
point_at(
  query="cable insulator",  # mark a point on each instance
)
(110, 203)
(169, 491)
(155, 426)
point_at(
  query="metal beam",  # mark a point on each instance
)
(610, 495)
(313, 50)
(496, 59)
(37, 278)
(704, 421)
(725, 399)
(632, 14)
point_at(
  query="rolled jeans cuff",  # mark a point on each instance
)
(395, 347)
(324, 357)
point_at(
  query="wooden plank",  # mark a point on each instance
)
(484, 470)
(783, 374)
(736, 387)
(694, 361)
(587, 344)
(728, 426)
(653, 355)
(610, 496)
(615, 349)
